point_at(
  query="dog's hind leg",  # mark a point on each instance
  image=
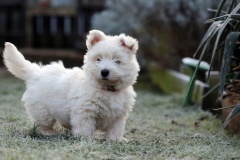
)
(41, 117)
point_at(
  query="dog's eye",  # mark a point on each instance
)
(117, 62)
(98, 59)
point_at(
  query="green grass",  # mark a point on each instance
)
(158, 128)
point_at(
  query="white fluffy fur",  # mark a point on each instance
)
(78, 98)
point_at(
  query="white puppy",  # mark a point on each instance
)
(97, 97)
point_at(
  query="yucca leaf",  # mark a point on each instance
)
(220, 46)
(236, 76)
(217, 45)
(234, 16)
(218, 27)
(230, 26)
(236, 27)
(220, 7)
(233, 3)
(206, 50)
(230, 43)
(236, 9)
(217, 42)
(212, 30)
(231, 115)
(197, 66)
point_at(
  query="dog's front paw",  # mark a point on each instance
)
(125, 140)
(82, 135)
(118, 139)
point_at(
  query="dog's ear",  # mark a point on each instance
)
(94, 37)
(128, 43)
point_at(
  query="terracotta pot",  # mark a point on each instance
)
(234, 125)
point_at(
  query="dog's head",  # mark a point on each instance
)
(111, 60)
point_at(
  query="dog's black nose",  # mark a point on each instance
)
(105, 72)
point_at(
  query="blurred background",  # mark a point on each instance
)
(46, 30)
(49, 30)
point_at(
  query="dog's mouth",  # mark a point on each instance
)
(105, 81)
(105, 78)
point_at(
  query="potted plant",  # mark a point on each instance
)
(222, 38)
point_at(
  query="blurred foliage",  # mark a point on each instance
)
(167, 30)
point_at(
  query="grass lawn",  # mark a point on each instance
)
(158, 128)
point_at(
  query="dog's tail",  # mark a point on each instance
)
(15, 62)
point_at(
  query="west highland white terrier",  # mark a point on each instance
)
(98, 96)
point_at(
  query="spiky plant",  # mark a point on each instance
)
(223, 38)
